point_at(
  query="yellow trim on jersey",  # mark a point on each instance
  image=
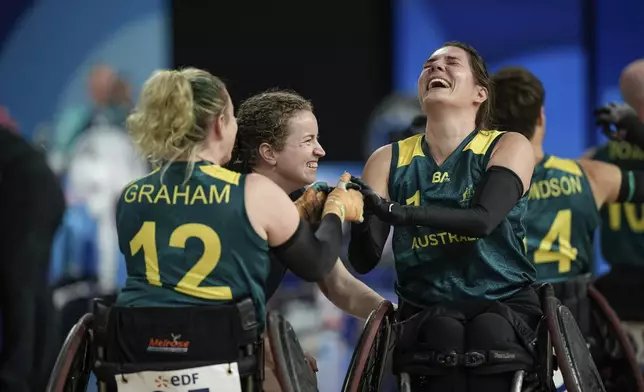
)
(222, 174)
(482, 141)
(565, 165)
(410, 148)
(140, 178)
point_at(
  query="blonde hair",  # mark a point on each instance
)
(173, 113)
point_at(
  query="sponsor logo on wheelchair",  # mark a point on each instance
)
(173, 345)
(224, 377)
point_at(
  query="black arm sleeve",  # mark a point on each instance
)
(632, 188)
(367, 242)
(493, 198)
(311, 256)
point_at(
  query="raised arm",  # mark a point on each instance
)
(611, 184)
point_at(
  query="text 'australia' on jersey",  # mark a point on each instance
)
(190, 244)
(622, 228)
(436, 266)
(561, 220)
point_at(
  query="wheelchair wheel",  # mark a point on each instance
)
(602, 308)
(370, 355)
(73, 365)
(573, 356)
(293, 371)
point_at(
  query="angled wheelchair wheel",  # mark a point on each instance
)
(293, 371)
(370, 355)
(73, 365)
(626, 370)
(573, 356)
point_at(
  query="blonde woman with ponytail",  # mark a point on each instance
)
(194, 233)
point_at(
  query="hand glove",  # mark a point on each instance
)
(311, 203)
(344, 201)
(387, 211)
(613, 118)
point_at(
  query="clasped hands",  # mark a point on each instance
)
(347, 200)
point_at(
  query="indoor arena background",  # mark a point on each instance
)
(358, 60)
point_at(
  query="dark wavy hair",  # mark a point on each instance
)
(479, 70)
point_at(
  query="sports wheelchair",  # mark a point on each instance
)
(189, 348)
(557, 331)
(94, 345)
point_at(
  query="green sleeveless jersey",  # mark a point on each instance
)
(436, 266)
(190, 244)
(562, 218)
(622, 229)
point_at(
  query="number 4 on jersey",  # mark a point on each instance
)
(559, 232)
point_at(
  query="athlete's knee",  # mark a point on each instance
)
(430, 345)
(442, 333)
(493, 346)
(488, 330)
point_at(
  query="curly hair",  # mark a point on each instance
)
(173, 113)
(263, 118)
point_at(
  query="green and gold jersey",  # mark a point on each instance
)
(622, 229)
(562, 218)
(190, 242)
(436, 266)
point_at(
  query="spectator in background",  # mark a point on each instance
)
(31, 209)
(110, 103)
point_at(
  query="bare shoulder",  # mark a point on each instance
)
(376, 170)
(513, 140)
(600, 172)
(514, 151)
(381, 156)
(605, 180)
(261, 187)
(270, 211)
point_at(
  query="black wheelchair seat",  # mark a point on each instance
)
(121, 341)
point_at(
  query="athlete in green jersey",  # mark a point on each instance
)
(563, 204)
(194, 233)
(278, 138)
(427, 258)
(622, 232)
(464, 272)
(189, 242)
(565, 195)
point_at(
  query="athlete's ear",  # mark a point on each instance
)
(541, 120)
(268, 154)
(216, 127)
(481, 95)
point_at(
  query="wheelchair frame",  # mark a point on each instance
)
(292, 369)
(544, 366)
(619, 333)
(380, 319)
(79, 338)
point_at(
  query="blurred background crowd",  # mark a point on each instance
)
(71, 71)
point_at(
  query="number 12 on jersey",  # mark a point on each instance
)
(560, 232)
(145, 239)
